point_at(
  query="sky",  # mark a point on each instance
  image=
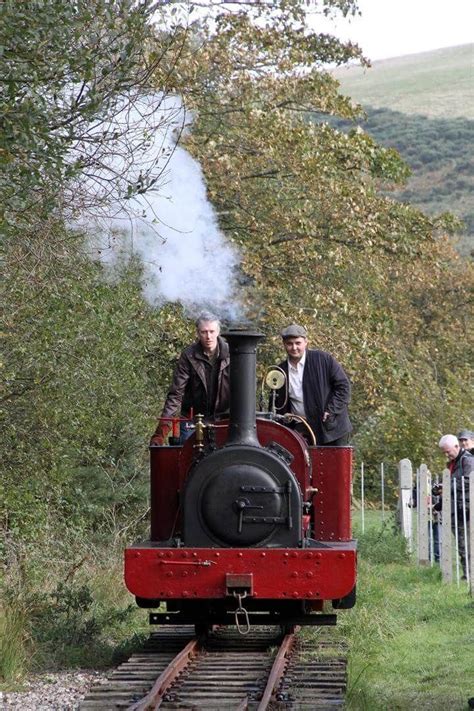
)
(393, 28)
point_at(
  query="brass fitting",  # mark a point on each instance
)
(199, 432)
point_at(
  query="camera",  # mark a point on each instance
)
(437, 490)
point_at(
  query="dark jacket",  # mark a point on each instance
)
(460, 467)
(326, 388)
(189, 389)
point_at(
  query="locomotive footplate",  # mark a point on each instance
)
(283, 574)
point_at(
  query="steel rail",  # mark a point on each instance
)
(154, 697)
(277, 670)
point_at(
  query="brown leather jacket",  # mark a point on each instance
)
(189, 387)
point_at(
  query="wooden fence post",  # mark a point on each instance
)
(405, 478)
(446, 538)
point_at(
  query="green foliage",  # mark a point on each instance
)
(14, 657)
(85, 372)
(409, 636)
(438, 150)
(85, 619)
(68, 621)
(64, 66)
(382, 545)
(88, 362)
(311, 208)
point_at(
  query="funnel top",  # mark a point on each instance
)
(242, 331)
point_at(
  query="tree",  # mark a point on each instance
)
(69, 71)
(321, 240)
(77, 403)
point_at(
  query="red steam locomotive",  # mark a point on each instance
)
(249, 524)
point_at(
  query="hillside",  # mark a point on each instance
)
(423, 105)
(437, 84)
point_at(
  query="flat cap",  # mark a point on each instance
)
(466, 434)
(294, 331)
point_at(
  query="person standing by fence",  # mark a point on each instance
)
(466, 440)
(460, 464)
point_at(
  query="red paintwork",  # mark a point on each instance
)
(332, 467)
(278, 574)
(164, 463)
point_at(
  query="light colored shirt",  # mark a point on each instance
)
(295, 386)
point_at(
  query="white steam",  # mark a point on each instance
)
(148, 198)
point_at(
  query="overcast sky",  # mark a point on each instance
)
(392, 28)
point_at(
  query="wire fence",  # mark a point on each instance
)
(375, 491)
(433, 514)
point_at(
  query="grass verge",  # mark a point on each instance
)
(410, 636)
(48, 623)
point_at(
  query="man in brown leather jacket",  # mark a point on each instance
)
(201, 379)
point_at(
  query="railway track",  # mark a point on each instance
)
(226, 672)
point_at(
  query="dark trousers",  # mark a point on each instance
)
(436, 542)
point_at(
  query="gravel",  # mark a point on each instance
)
(61, 691)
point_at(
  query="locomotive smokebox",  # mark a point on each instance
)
(243, 377)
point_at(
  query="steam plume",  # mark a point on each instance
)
(149, 199)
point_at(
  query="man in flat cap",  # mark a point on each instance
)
(466, 440)
(317, 389)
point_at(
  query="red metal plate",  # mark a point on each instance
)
(200, 573)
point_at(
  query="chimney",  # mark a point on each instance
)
(243, 380)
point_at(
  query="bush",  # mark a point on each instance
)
(59, 617)
(383, 545)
